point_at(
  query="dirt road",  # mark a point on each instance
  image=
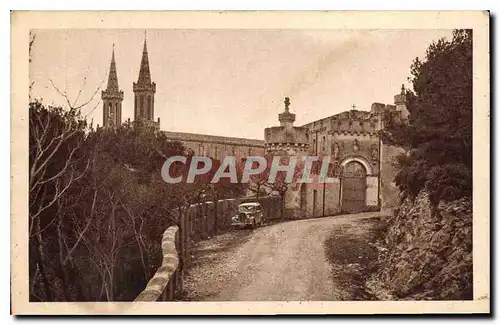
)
(284, 261)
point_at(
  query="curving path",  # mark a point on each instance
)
(284, 261)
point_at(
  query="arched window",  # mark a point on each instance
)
(315, 198)
(135, 105)
(148, 114)
(141, 111)
(303, 197)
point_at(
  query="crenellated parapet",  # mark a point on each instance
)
(280, 134)
(136, 87)
(353, 133)
(110, 95)
(287, 148)
(286, 138)
(353, 121)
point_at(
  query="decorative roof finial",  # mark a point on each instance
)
(402, 89)
(287, 103)
(286, 118)
(145, 47)
(113, 55)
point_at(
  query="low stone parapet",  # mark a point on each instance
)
(158, 283)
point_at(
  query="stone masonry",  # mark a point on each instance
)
(350, 139)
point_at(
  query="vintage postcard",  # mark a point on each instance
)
(250, 162)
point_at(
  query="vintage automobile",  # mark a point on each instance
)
(249, 214)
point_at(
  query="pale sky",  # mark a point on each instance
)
(231, 82)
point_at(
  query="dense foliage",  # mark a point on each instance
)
(438, 137)
(98, 205)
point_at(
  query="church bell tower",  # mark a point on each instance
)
(112, 97)
(144, 90)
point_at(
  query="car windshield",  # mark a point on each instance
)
(246, 208)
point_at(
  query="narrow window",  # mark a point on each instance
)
(136, 107)
(149, 115)
(141, 111)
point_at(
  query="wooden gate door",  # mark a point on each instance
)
(353, 187)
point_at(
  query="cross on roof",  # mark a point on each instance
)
(353, 106)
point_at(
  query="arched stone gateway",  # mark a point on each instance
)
(362, 161)
(353, 187)
(352, 140)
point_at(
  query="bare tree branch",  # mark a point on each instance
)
(82, 233)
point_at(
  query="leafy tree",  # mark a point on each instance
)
(99, 207)
(258, 183)
(438, 135)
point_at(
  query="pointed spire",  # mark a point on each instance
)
(144, 74)
(112, 75)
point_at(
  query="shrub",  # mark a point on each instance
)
(438, 135)
(448, 182)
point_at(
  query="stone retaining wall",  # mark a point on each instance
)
(200, 221)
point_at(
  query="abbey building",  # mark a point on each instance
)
(350, 139)
(144, 110)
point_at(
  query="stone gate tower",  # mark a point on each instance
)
(112, 97)
(286, 139)
(144, 91)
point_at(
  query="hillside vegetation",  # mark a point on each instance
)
(429, 237)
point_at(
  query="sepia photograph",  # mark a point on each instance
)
(262, 159)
